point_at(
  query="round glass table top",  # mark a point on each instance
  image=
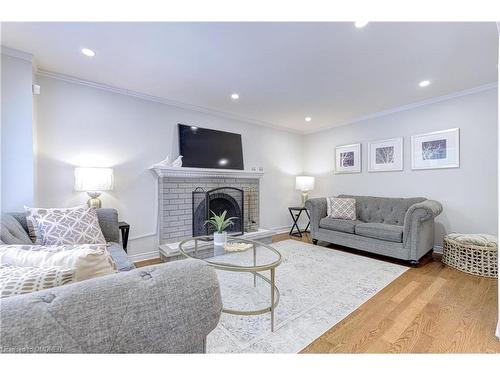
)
(238, 254)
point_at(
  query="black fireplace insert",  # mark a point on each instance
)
(218, 200)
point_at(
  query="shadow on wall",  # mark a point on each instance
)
(439, 232)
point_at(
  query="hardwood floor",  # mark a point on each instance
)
(429, 309)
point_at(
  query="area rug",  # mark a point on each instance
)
(319, 287)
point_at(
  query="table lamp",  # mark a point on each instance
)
(94, 181)
(304, 184)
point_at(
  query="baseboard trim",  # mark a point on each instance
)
(280, 230)
(145, 256)
(438, 249)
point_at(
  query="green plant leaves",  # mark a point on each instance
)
(219, 222)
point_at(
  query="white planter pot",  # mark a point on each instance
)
(220, 238)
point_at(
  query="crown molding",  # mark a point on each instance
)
(406, 107)
(17, 54)
(157, 99)
(232, 116)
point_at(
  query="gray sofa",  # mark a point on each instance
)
(14, 230)
(167, 308)
(401, 228)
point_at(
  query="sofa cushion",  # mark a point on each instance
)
(108, 221)
(382, 210)
(120, 257)
(387, 232)
(340, 225)
(12, 232)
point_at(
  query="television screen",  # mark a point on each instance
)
(207, 148)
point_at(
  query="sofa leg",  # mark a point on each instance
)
(315, 241)
(414, 263)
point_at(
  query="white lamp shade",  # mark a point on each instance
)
(304, 183)
(94, 179)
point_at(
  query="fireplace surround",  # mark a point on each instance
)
(175, 198)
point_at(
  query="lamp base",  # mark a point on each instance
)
(94, 200)
(305, 196)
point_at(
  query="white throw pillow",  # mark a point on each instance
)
(64, 226)
(16, 280)
(89, 261)
(341, 208)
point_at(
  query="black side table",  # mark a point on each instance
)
(295, 212)
(125, 229)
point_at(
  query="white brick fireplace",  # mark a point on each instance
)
(175, 200)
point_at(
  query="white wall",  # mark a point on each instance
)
(498, 174)
(17, 157)
(468, 193)
(80, 125)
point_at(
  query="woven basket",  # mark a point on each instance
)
(476, 260)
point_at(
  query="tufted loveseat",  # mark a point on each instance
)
(401, 228)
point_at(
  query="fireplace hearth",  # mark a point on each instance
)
(216, 201)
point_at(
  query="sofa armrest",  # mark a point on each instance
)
(418, 214)
(167, 308)
(108, 221)
(317, 211)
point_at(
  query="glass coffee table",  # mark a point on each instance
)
(255, 258)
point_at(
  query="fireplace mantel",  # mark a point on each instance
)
(205, 172)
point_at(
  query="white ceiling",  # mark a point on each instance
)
(333, 72)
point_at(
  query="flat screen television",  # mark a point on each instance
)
(207, 148)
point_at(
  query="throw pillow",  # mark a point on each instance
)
(341, 208)
(89, 261)
(31, 223)
(67, 226)
(20, 280)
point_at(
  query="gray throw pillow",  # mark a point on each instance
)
(341, 208)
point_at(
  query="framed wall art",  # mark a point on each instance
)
(386, 155)
(348, 158)
(434, 150)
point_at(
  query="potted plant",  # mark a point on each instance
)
(220, 223)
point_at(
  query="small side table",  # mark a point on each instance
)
(295, 212)
(125, 229)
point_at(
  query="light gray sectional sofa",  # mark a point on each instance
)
(401, 228)
(167, 308)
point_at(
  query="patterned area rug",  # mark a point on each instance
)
(319, 287)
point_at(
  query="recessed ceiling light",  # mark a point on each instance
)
(88, 52)
(424, 83)
(360, 24)
(235, 96)
(308, 119)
